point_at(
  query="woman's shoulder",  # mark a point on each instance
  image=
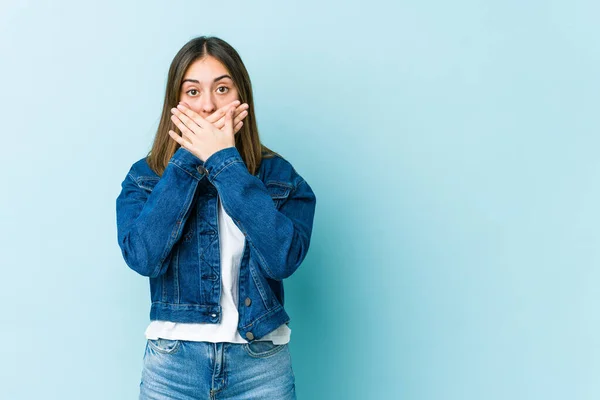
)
(278, 168)
(141, 169)
(275, 160)
(269, 153)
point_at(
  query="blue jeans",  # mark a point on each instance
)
(190, 370)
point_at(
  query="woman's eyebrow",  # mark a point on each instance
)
(215, 80)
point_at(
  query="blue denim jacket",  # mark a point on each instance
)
(167, 228)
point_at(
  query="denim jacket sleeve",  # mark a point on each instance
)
(280, 237)
(150, 223)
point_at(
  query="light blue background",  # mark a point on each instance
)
(453, 148)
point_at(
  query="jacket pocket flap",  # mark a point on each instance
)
(147, 182)
(278, 190)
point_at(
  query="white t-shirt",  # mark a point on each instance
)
(231, 241)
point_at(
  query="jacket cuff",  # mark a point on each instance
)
(220, 160)
(188, 162)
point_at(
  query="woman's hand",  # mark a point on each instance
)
(202, 137)
(218, 117)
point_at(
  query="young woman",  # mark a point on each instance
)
(216, 221)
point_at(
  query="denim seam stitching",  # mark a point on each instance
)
(163, 351)
(134, 180)
(265, 265)
(176, 229)
(225, 166)
(181, 304)
(277, 348)
(183, 169)
(265, 315)
(259, 287)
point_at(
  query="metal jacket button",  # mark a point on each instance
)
(249, 335)
(202, 170)
(248, 301)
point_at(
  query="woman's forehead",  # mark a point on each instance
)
(206, 70)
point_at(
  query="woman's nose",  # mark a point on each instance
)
(207, 105)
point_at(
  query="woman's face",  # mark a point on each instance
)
(207, 86)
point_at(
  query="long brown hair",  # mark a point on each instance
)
(247, 140)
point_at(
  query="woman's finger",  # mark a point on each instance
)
(220, 113)
(180, 140)
(229, 121)
(238, 115)
(193, 124)
(190, 118)
(185, 131)
(238, 127)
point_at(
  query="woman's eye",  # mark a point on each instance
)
(196, 91)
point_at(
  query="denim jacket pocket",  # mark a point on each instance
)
(279, 191)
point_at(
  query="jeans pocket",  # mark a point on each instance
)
(165, 346)
(262, 348)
